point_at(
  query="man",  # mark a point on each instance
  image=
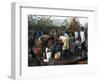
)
(82, 35)
(76, 33)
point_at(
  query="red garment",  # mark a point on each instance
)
(37, 51)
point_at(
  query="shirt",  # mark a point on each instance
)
(65, 41)
(76, 34)
(82, 36)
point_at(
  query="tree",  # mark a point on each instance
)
(31, 22)
(39, 22)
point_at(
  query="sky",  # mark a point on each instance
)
(59, 20)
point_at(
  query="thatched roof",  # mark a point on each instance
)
(73, 25)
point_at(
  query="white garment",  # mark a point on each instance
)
(65, 40)
(48, 53)
(66, 36)
(76, 34)
(82, 36)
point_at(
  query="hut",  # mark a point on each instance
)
(73, 25)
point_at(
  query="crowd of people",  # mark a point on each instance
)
(43, 46)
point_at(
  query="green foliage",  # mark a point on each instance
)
(39, 22)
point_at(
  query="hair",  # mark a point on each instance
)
(46, 32)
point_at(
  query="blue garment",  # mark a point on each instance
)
(57, 48)
(39, 33)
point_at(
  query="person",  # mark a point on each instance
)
(57, 50)
(43, 40)
(77, 46)
(39, 33)
(76, 33)
(67, 39)
(64, 42)
(71, 41)
(38, 55)
(82, 35)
